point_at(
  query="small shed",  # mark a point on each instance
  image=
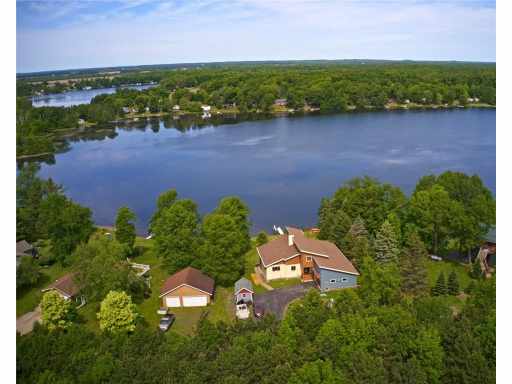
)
(243, 291)
(24, 248)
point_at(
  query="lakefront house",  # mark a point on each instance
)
(293, 255)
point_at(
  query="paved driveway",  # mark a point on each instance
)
(276, 301)
(25, 323)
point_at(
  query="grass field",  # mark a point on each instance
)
(28, 299)
(435, 267)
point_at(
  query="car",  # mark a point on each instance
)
(166, 322)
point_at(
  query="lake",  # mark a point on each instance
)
(83, 96)
(280, 167)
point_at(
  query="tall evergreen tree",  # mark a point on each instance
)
(387, 249)
(356, 245)
(453, 284)
(412, 266)
(440, 288)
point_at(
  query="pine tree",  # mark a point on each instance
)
(412, 265)
(453, 284)
(397, 226)
(356, 245)
(386, 244)
(440, 288)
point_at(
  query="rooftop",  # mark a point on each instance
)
(190, 276)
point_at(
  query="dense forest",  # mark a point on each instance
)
(394, 328)
(255, 89)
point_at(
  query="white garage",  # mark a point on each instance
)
(173, 301)
(195, 301)
(187, 288)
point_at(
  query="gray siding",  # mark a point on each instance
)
(341, 280)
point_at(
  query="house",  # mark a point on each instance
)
(24, 248)
(490, 246)
(206, 108)
(243, 291)
(293, 255)
(176, 107)
(187, 288)
(126, 110)
(281, 102)
(67, 287)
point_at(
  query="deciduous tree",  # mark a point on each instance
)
(117, 313)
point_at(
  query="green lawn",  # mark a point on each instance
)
(281, 283)
(435, 267)
(28, 299)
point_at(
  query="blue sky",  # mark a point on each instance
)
(78, 34)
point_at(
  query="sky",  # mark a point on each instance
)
(53, 35)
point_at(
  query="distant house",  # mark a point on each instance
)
(281, 102)
(67, 287)
(206, 108)
(146, 109)
(243, 291)
(126, 110)
(293, 255)
(24, 248)
(176, 107)
(187, 288)
(81, 121)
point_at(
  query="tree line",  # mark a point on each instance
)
(252, 89)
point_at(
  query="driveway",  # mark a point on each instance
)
(276, 301)
(25, 323)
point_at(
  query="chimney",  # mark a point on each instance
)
(290, 240)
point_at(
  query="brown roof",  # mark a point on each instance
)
(295, 231)
(65, 285)
(191, 277)
(276, 250)
(326, 254)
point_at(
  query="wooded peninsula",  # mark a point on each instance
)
(262, 89)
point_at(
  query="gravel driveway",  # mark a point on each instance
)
(25, 323)
(276, 301)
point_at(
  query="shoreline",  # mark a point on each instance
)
(271, 115)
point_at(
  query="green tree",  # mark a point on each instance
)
(221, 254)
(356, 245)
(379, 283)
(27, 273)
(125, 228)
(164, 201)
(56, 312)
(235, 208)
(101, 267)
(316, 372)
(261, 239)
(413, 266)
(453, 284)
(387, 248)
(117, 313)
(434, 214)
(440, 288)
(66, 224)
(176, 235)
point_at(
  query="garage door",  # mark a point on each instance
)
(195, 301)
(173, 302)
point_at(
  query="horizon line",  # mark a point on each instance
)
(249, 62)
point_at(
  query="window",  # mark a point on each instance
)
(333, 281)
(308, 258)
(274, 269)
(344, 279)
(293, 268)
(307, 270)
(243, 294)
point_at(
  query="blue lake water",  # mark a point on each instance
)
(280, 167)
(68, 99)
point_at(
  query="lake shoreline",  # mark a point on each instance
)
(249, 116)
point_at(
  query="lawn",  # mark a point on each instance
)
(281, 283)
(28, 299)
(435, 267)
